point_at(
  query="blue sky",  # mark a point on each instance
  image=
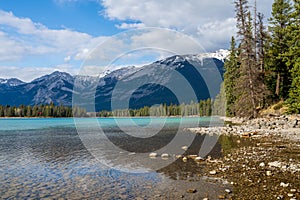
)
(40, 36)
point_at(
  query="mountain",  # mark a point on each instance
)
(174, 80)
(177, 79)
(10, 82)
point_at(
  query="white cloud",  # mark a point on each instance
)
(67, 59)
(31, 38)
(10, 49)
(212, 34)
(27, 74)
(140, 46)
(189, 16)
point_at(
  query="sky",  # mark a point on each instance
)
(39, 37)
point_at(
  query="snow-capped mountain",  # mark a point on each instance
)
(165, 81)
(11, 82)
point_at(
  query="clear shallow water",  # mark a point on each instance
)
(45, 158)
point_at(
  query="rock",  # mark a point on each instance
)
(213, 172)
(184, 159)
(294, 123)
(280, 197)
(268, 173)
(290, 195)
(262, 164)
(274, 164)
(165, 155)
(178, 156)
(228, 191)
(184, 148)
(221, 197)
(198, 159)
(192, 156)
(153, 155)
(282, 184)
(191, 191)
(205, 199)
(293, 190)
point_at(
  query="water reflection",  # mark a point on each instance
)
(53, 163)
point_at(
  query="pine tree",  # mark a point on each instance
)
(250, 89)
(279, 71)
(231, 75)
(293, 59)
(261, 41)
(219, 104)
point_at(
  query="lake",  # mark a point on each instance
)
(103, 158)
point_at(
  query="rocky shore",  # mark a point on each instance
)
(261, 157)
(285, 126)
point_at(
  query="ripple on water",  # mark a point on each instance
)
(53, 163)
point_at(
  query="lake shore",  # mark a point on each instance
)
(261, 157)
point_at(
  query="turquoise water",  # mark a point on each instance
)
(46, 158)
(40, 123)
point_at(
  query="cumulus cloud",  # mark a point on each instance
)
(210, 22)
(10, 49)
(31, 38)
(139, 45)
(186, 16)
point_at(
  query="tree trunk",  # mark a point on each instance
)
(278, 84)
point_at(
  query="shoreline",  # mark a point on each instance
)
(261, 157)
(284, 126)
(192, 116)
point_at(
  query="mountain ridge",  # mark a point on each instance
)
(58, 87)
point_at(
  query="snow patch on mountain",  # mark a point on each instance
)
(221, 54)
(11, 82)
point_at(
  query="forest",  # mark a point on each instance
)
(264, 64)
(203, 108)
(50, 110)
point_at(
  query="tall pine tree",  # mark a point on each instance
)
(279, 37)
(293, 59)
(250, 89)
(231, 75)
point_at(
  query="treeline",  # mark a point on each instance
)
(264, 67)
(203, 108)
(42, 110)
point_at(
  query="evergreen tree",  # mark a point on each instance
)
(261, 39)
(293, 59)
(278, 47)
(250, 89)
(219, 104)
(231, 75)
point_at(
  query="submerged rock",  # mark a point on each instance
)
(165, 155)
(191, 191)
(153, 155)
(184, 148)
